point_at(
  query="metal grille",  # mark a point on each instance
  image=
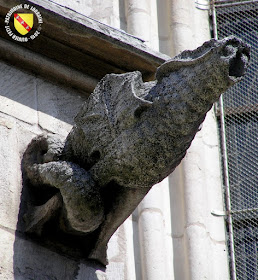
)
(240, 125)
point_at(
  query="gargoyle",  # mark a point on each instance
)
(128, 136)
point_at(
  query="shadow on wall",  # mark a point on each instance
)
(47, 257)
(35, 101)
(31, 101)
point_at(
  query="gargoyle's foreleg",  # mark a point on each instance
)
(82, 202)
(123, 206)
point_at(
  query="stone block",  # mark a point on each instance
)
(9, 174)
(31, 261)
(14, 138)
(18, 94)
(115, 271)
(57, 107)
(113, 246)
(7, 238)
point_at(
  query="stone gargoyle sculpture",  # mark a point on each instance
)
(128, 136)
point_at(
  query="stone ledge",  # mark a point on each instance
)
(87, 47)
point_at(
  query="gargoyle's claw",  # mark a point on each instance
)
(42, 149)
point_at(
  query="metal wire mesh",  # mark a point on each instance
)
(240, 18)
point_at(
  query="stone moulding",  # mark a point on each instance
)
(80, 50)
(128, 136)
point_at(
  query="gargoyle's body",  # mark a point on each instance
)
(130, 135)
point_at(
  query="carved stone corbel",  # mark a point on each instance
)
(128, 136)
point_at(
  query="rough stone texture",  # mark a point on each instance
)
(18, 99)
(130, 135)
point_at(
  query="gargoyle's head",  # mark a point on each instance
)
(229, 55)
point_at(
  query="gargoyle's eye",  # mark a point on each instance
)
(231, 46)
(228, 50)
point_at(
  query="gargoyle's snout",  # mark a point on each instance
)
(237, 55)
(230, 53)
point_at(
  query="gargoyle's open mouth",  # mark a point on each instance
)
(238, 64)
(238, 55)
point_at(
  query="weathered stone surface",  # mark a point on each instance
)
(55, 112)
(18, 92)
(130, 135)
(10, 163)
(27, 263)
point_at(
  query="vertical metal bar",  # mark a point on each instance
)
(225, 163)
(227, 190)
(214, 20)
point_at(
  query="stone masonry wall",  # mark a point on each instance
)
(30, 106)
